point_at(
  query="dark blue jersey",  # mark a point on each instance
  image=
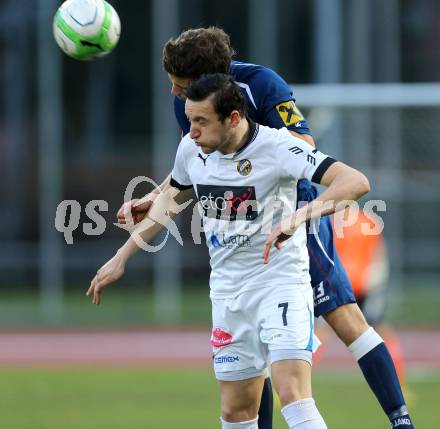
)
(269, 99)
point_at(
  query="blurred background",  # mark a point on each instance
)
(364, 72)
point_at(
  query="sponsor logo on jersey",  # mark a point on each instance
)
(244, 167)
(226, 359)
(214, 240)
(220, 337)
(234, 241)
(289, 113)
(228, 202)
(203, 159)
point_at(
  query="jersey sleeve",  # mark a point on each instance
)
(179, 176)
(299, 160)
(279, 107)
(179, 112)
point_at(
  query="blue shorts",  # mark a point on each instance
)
(334, 291)
(330, 283)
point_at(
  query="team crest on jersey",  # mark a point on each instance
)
(244, 167)
(290, 114)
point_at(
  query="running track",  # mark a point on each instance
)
(421, 349)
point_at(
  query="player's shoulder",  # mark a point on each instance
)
(187, 147)
(281, 141)
(270, 137)
(249, 72)
(263, 85)
(274, 134)
(257, 76)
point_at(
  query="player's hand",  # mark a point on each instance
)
(134, 211)
(106, 275)
(279, 234)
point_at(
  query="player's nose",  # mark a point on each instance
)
(194, 133)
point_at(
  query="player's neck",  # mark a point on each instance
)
(239, 138)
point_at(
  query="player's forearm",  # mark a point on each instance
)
(141, 234)
(163, 187)
(346, 186)
(160, 214)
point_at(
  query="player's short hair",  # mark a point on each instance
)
(227, 95)
(198, 51)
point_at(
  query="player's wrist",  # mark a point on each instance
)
(299, 217)
(124, 253)
(290, 224)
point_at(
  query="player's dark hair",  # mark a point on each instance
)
(227, 95)
(198, 51)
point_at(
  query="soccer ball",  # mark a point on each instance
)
(86, 29)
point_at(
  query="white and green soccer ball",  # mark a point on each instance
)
(86, 29)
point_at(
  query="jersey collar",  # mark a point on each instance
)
(252, 134)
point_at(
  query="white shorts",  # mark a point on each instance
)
(259, 327)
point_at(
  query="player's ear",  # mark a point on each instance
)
(235, 118)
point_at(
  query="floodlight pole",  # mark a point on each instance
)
(388, 67)
(328, 58)
(50, 159)
(263, 32)
(167, 262)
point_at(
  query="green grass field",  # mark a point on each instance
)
(184, 399)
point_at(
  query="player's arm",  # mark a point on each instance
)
(344, 185)
(133, 211)
(286, 114)
(167, 204)
(279, 107)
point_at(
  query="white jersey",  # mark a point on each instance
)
(241, 196)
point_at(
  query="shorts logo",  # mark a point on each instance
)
(220, 337)
(244, 167)
(226, 359)
(319, 294)
(401, 422)
(290, 114)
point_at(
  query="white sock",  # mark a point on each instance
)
(365, 343)
(249, 424)
(303, 414)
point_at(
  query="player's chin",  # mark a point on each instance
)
(206, 150)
